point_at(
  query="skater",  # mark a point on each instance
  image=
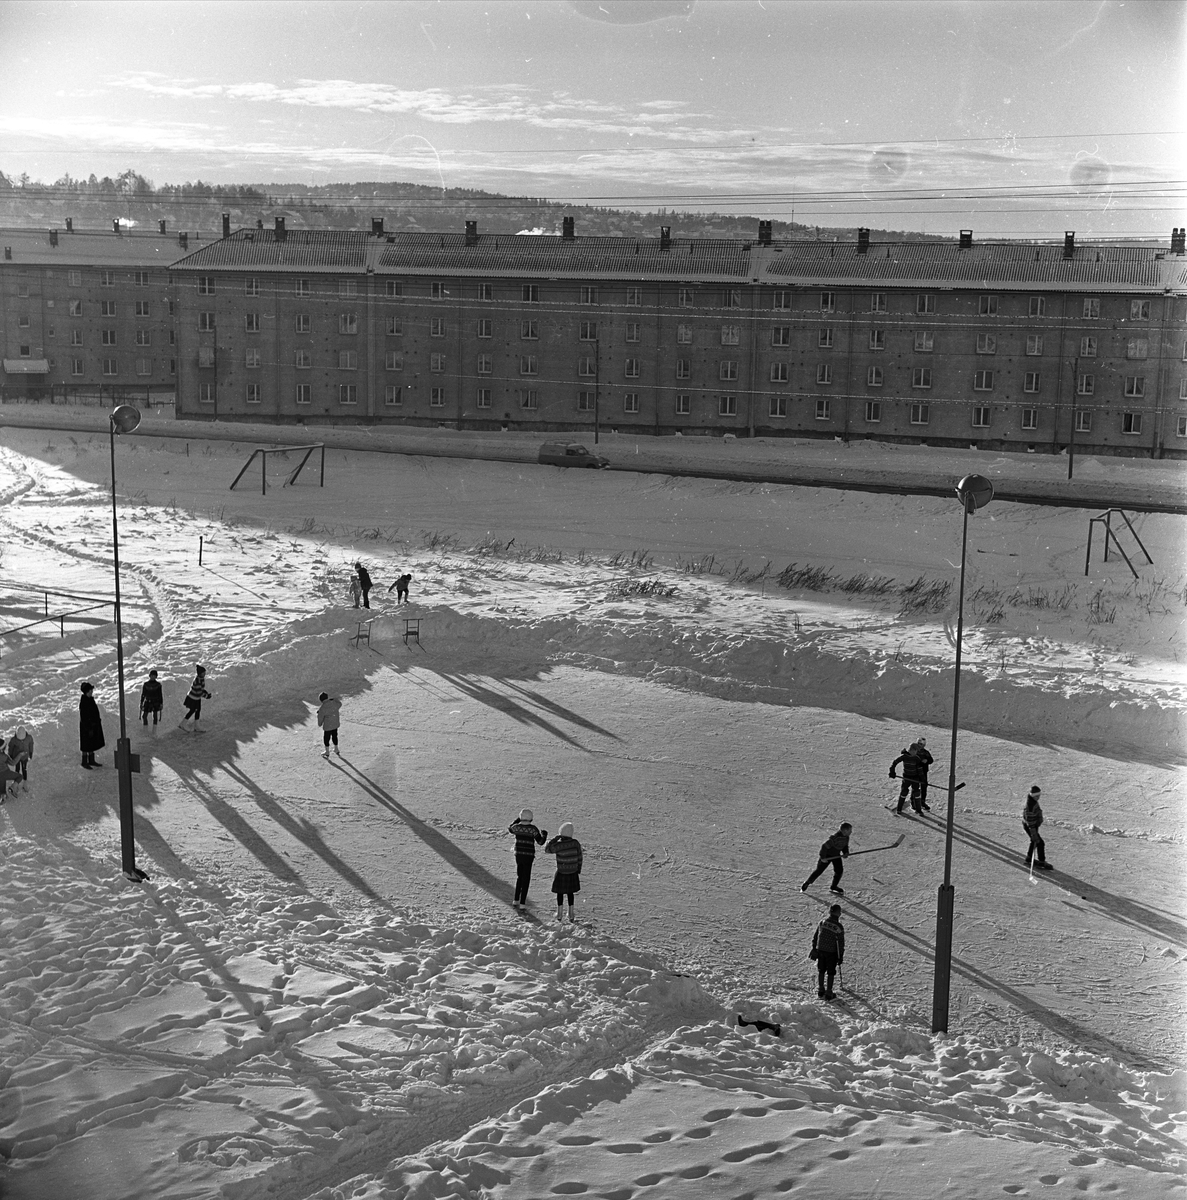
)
(833, 851)
(329, 718)
(912, 778)
(925, 760)
(90, 727)
(152, 699)
(364, 583)
(401, 586)
(356, 589)
(527, 838)
(10, 780)
(567, 881)
(1032, 818)
(20, 754)
(193, 702)
(828, 950)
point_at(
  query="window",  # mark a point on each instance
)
(74, 278)
(348, 323)
(437, 327)
(483, 397)
(824, 338)
(586, 368)
(878, 302)
(140, 278)
(76, 308)
(687, 298)
(1030, 418)
(348, 393)
(588, 331)
(781, 301)
(437, 397)
(486, 364)
(1038, 308)
(777, 406)
(1183, 389)
(251, 287)
(106, 309)
(630, 402)
(393, 360)
(631, 367)
(254, 393)
(987, 306)
(683, 368)
(110, 367)
(982, 381)
(251, 322)
(205, 283)
(874, 377)
(1086, 385)
(1092, 308)
(589, 295)
(731, 335)
(780, 372)
(1139, 310)
(781, 335)
(206, 393)
(873, 411)
(437, 364)
(727, 406)
(727, 369)
(1084, 421)
(632, 331)
(731, 298)
(24, 351)
(22, 288)
(986, 343)
(921, 377)
(634, 298)
(1137, 348)
(828, 301)
(303, 393)
(1131, 422)
(173, 366)
(585, 401)
(394, 327)
(141, 308)
(981, 416)
(107, 279)
(684, 337)
(347, 287)
(206, 356)
(437, 290)
(529, 331)
(144, 366)
(530, 365)
(486, 328)
(1088, 347)
(107, 337)
(824, 410)
(206, 322)
(172, 337)
(1030, 381)
(1034, 344)
(529, 398)
(920, 414)
(683, 403)
(393, 395)
(302, 323)
(877, 339)
(1135, 385)
(395, 289)
(23, 320)
(348, 360)
(303, 360)
(925, 342)
(486, 291)
(76, 337)
(301, 288)
(76, 366)
(925, 304)
(530, 293)
(252, 360)
(824, 373)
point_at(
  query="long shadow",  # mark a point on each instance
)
(504, 704)
(453, 854)
(149, 838)
(1118, 908)
(559, 710)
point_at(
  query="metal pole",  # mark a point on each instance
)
(946, 895)
(199, 549)
(597, 385)
(1071, 446)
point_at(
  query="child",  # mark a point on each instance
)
(833, 851)
(152, 699)
(1032, 819)
(329, 718)
(828, 949)
(9, 779)
(20, 754)
(527, 838)
(401, 586)
(567, 881)
(193, 702)
(356, 589)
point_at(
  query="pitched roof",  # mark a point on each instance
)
(341, 250)
(92, 247)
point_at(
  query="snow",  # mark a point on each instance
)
(323, 992)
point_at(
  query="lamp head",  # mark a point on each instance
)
(125, 418)
(974, 492)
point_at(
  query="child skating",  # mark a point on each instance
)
(527, 838)
(152, 698)
(567, 881)
(828, 950)
(329, 718)
(833, 851)
(193, 702)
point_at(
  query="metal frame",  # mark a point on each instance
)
(264, 451)
(1106, 519)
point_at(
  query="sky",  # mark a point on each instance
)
(1014, 119)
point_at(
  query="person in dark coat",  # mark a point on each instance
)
(527, 838)
(364, 582)
(567, 881)
(152, 698)
(401, 586)
(832, 851)
(1032, 818)
(828, 949)
(90, 727)
(924, 759)
(913, 778)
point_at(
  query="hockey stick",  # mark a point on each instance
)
(874, 849)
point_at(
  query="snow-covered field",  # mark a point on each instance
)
(323, 990)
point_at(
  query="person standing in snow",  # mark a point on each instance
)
(356, 589)
(567, 881)
(401, 586)
(9, 778)
(924, 760)
(832, 851)
(527, 838)
(152, 698)
(90, 727)
(20, 754)
(828, 949)
(1032, 818)
(364, 583)
(912, 778)
(193, 702)
(329, 718)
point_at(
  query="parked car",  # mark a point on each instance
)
(570, 454)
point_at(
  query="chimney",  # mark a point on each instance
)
(471, 233)
(764, 233)
(53, 237)
(568, 229)
(115, 224)
(226, 225)
(281, 232)
(1178, 237)
(966, 239)
(69, 224)
(863, 240)
(1069, 243)
(183, 240)
(377, 227)
(665, 237)
(162, 226)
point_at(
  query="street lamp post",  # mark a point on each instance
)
(974, 492)
(124, 419)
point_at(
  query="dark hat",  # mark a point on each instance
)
(1035, 791)
(88, 687)
(152, 674)
(200, 668)
(846, 825)
(836, 908)
(324, 696)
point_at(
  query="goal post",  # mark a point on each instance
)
(262, 453)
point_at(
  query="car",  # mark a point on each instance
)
(570, 454)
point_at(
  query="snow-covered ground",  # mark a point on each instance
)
(323, 990)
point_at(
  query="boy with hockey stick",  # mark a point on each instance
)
(828, 951)
(832, 851)
(914, 778)
(527, 838)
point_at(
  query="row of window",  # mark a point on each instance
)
(74, 279)
(107, 308)
(110, 366)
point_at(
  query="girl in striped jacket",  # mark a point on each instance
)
(193, 702)
(568, 868)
